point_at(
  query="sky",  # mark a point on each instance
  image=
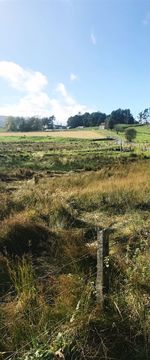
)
(61, 57)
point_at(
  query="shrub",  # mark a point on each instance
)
(130, 134)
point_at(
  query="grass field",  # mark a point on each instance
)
(143, 134)
(62, 155)
(55, 192)
(79, 134)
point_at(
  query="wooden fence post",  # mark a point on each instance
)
(102, 281)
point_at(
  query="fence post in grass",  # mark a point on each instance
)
(102, 281)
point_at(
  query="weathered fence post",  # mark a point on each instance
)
(102, 281)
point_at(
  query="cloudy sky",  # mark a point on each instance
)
(64, 56)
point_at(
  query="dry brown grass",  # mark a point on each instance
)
(68, 291)
(77, 134)
(135, 177)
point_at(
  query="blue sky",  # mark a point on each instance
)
(64, 56)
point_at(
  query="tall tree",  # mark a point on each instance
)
(29, 124)
(75, 121)
(48, 122)
(11, 124)
(144, 116)
(87, 119)
(120, 116)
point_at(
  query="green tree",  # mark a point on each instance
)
(11, 124)
(48, 122)
(120, 116)
(109, 123)
(130, 134)
(144, 116)
(140, 117)
(86, 119)
(75, 121)
(29, 124)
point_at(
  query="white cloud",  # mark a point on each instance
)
(93, 38)
(22, 79)
(35, 100)
(73, 77)
(69, 100)
(62, 110)
(146, 19)
(66, 104)
(62, 90)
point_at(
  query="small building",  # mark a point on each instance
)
(102, 126)
(60, 127)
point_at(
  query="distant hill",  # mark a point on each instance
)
(2, 120)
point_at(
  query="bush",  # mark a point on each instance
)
(130, 134)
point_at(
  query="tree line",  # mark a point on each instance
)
(29, 124)
(144, 116)
(87, 119)
(119, 116)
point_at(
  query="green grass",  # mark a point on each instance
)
(31, 139)
(143, 133)
(62, 154)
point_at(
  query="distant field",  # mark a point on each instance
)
(143, 135)
(77, 134)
